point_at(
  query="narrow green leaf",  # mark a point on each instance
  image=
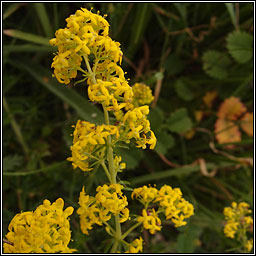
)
(182, 8)
(28, 48)
(44, 19)
(140, 22)
(168, 173)
(52, 167)
(240, 46)
(174, 172)
(231, 10)
(11, 9)
(27, 36)
(85, 110)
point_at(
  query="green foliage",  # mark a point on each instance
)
(216, 64)
(182, 51)
(239, 45)
(183, 90)
(11, 162)
(179, 121)
(187, 240)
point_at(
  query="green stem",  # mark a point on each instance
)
(106, 171)
(118, 235)
(110, 157)
(110, 151)
(111, 173)
(130, 230)
(89, 69)
(16, 128)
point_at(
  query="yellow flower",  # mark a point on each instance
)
(150, 220)
(145, 194)
(86, 33)
(249, 245)
(142, 95)
(87, 138)
(139, 127)
(136, 246)
(108, 200)
(46, 230)
(230, 228)
(236, 220)
(111, 198)
(173, 205)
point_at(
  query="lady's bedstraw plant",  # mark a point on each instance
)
(238, 224)
(85, 46)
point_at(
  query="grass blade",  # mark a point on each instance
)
(231, 10)
(52, 167)
(138, 27)
(27, 48)
(44, 19)
(85, 110)
(172, 172)
(11, 9)
(26, 36)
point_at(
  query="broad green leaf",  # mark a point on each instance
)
(187, 241)
(216, 64)
(85, 110)
(165, 141)
(183, 90)
(156, 118)
(27, 36)
(240, 46)
(179, 121)
(174, 65)
(11, 162)
(130, 156)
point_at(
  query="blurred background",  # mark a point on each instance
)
(192, 55)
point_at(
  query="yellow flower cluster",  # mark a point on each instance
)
(170, 202)
(46, 230)
(87, 139)
(135, 246)
(86, 33)
(249, 245)
(135, 125)
(108, 201)
(86, 38)
(142, 95)
(236, 218)
(111, 88)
